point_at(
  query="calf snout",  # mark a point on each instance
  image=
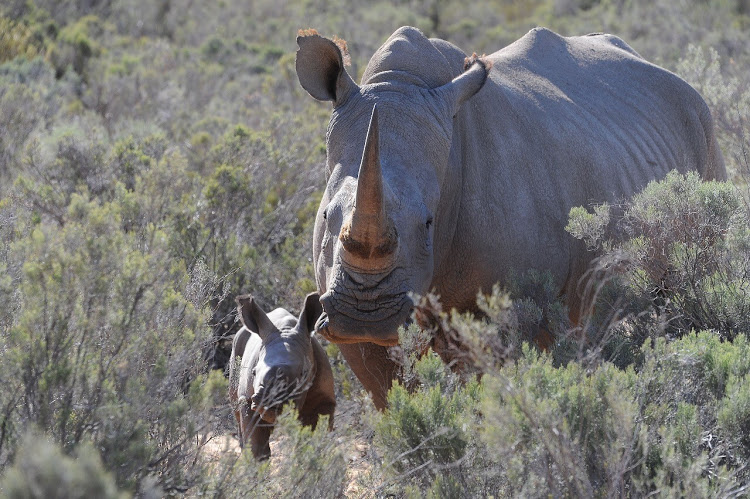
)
(278, 385)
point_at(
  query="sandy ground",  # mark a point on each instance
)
(351, 433)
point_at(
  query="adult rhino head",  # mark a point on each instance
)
(388, 147)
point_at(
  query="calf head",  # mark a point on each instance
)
(285, 366)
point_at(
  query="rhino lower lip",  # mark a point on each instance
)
(328, 334)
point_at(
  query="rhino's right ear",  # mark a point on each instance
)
(253, 317)
(320, 68)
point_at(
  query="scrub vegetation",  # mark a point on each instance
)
(158, 158)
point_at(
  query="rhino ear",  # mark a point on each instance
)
(462, 87)
(310, 313)
(253, 317)
(320, 67)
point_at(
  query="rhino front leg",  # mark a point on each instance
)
(259, 438)
(310, 416)
(252, 427)
(374, 368)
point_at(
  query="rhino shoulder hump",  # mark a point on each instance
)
(540, 38)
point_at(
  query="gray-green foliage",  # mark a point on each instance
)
(102, 344)
(579, 432)
(676, 427)
(427, 435)
(728, 96)
(41, 470)
(677, 258)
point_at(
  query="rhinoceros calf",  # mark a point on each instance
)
(279, 362)
(448, 174)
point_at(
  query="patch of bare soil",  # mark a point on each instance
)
(217, 446)
(351, 433)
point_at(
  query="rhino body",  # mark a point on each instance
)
(447, 178)
(275, 361)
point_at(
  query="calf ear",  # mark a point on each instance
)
(253, 317)
(320, 67)
(310, 313)
(454, 93)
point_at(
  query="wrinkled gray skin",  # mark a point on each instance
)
(279, 362)
(459, 177)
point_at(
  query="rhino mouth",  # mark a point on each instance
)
(361, 307)
(271, 412)
(268, 414)
(374, 325)
(269, 401)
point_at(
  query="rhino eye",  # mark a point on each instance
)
(325, 214)
(428, 224)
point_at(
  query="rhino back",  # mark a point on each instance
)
(561, 122)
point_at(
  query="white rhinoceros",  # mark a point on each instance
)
(445, 173)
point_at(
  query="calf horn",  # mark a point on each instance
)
(369, 236)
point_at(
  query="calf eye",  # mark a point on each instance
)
(325, 214)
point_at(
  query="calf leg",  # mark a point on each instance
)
(238, 417)
(259, 432)
(259, 438)
(310, 416)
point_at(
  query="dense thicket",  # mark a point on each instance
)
(159, 157)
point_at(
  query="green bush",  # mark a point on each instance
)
(675, 427)
(16, 40)
(103, 346)
(41, 470)
(558, 431)
(428, 435)
(77, 44)
(677, 260)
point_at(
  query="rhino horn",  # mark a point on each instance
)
(369, 236)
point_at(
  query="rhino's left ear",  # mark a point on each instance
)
(253, 317)
(320, 67)
(462, 87)
(310, 313)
